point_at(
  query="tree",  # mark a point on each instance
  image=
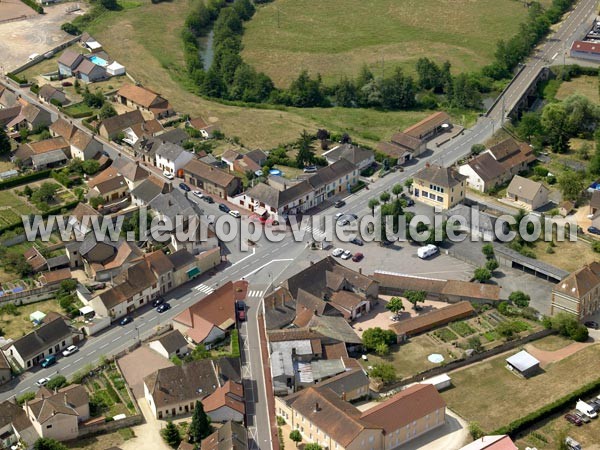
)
(571, 184)
(382, 349)
(27, 191)
(395, 305)
(519, 298)
(476, 149)
(383, 371)
(567, 325)
(385, 197)
(4, 142)
(488, 250)
(482, 274)
(110, 4)
(306, 92)
(200, 426)
(491, 264)
(306, 155)
(415, 297)
(107, 111)
(373, 203)
(48, 444)
(530, 125)
(312, 446)
(57, 382)
(555, 123)
(372, 337)
(397, 189)
(465, 92)
(476, 431)
(171, 435)
(345, 93)
(296, 436)
(45, 192)
(475, 343)
(429, 75)
(408, 183)
(90, 166)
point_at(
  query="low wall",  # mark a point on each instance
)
(40, 58)
(19, 239)
(30, 296)
(104, 427)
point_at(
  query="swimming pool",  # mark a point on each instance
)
(98, 61)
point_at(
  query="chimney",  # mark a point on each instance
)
(427, 165)
(360, 270)
(137, 163)
(316, 407)
(344, 395)
(282, 300)
(312, 263)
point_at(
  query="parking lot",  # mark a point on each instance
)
(14, 10)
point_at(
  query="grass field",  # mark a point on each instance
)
(488, 392)
(17, 326)
(12, 207)
(583, 85)
(567, 255)
(552, 343)
(336, 38)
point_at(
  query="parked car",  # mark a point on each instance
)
(162, 308)
(66, 84)
(235, 214)
(357, 241)
(410, 202)
(582, 417)
(573, 419)
(125, 320)
(591, 324)
(157, 302)
(339, 203)
(310, 169)
(42, 382)
(344, 222)
(240, 308)
(358, 257)
(593, 230)
(386, 243)
(208, 199)
(337, 252)
(48, 361)
(347, 254)
(586, 409)
(70, 350)
(427, 251)
(198, 194)
(338, 215)
(184, 187)
(223, 207)
(168, 175)
(572, 444)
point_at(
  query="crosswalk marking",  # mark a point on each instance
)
(255, 293)
(204, 288)
(315, 232)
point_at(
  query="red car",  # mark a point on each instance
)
(240, 308)
(574, 419)
(358, 257)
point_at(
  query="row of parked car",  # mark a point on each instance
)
(584, 411)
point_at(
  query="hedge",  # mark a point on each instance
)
(33, 5)
(17, 181)
(545, 411)
(16, 78)
(357, 187)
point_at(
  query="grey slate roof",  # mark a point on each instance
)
(146, 191)
(181, 258)
(172, 341)
(350, 152)
(229, 369)
(231, 436)
(172, 204)
(169, 151)
(57, 261)
(174, 136)
(70, 58)
(51, 157)
(41, 338)
(346, 382)
(336, 328)
(441, 176)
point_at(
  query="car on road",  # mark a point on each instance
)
(157, 302)
(357, 241)
(591, 324)
(70, 350)
(125, 320)
(168, 175)
(338, 215)
(208, 199)
(337, 252)
(163, 308)
(48, 361)
(223, 207)
(240, 309)
(410, 202)
(339, 203)
(347, 254)
(573, 419)
(343, 222)
(235, 214)
(358, 257)
(184, 187)
(593, 230)
(42, 382)
(198, 194)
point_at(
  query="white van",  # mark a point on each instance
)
(427, 251)
(586, 409)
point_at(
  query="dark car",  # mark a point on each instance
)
(125, 320)
(574, 419)
(162, 308)
(357, 241)
(208, 199)
(410, 202)
(240, 308)
(339, 203)
(593, 230)
(159, 301)
(66, 83)
(184, 187)
(48, 361)
(223, 207)
(358, 257)
(386, 243)
(591, 324)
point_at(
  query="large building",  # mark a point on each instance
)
(439, 186)
(579, 292)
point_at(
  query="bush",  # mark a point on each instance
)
(475, 430)
(33, 5)
(57, 382)
(384, 371)
(69, 28)
(24, 179)
(374, 337)
(25, 397)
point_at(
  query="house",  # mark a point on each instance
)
(439, 186)
(210, 179)
(209, 319)
(108, 184)
(84, 146)
(111, 127)
(565, 208)
(402, 147)
(578, 293)
(26, 152)
(172, 157)
(49, 160)
(350, 385)
(231, 436)
(483, 172)
(5, 371)
(589, 50)
(56, 276)
(280, 308)
(148, 190)
(133, 173)
(499, 442)
(24, 115)
(144, 99)
(68, 62)
(226, 403)
(15, 426)
(35, 259)
(595, 203)
(360, 157)
(527, 193)
(49, 339)
(514, 156)
(186, 266)
(168, 206)
(56, 415)
(80, 219)
(170, 344)
(206, 130)
(48, 93)
(252, 161)
(149, 128)
(229, 157)
(89, 72)
(323, 418)
(523, 363)
(430, 126)
(433, 319)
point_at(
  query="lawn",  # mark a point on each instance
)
(488, 392)
(102, 441)
(584, 85)
(16, 326)
(567, 255)
(336, 38)
(552, 343)
(12, 207)
(78, 109)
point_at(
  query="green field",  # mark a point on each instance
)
(336, 38)
(12, 207)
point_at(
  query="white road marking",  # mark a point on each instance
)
(115, 340)
(555, 55)
(150, 320)
(77, 360)
(204, 288)
(103, 346)
(249, 256)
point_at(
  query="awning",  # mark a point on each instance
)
(194, 271)
(86, 310)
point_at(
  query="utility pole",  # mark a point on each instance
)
(502, 116)
(278, 23)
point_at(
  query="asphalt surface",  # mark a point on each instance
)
(264, 265)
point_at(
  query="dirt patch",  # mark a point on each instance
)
(14, 9)
(546, 357)
(139, 364)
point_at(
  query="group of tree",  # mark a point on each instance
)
(93, 99)
(384, 372)
(5, 145)
(567, 325)
(48, 444)
(378, 340)
(14, 262)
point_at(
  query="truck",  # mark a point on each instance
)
(427, 251)
(586, 409)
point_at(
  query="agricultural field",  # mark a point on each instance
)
(489, 383)
(16, 324)
(336, 38)
(12, 206)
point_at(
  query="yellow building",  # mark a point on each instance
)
(579, 292)
(439, 186)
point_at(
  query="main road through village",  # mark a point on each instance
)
(264, 264)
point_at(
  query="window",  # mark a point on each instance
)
(48, 426)
(440, 199)
(371, 438)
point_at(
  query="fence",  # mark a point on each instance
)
(457, 364)
(104, 427)
(30, 295)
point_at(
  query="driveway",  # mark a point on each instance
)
(452, 436)
(147, 435)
